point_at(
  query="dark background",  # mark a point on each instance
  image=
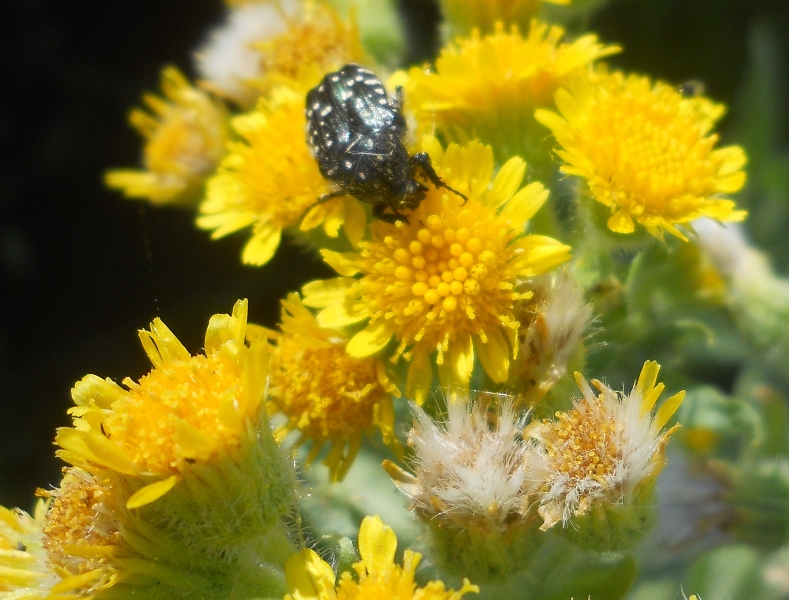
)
(83, 269)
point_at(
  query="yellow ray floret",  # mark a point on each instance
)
(187, 409)
(646, 152)
(444, 281)
(606, 449)
(488, 86)
(378, 577)
(270, 180)
(328, 395)
(185, 135)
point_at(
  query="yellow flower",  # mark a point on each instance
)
(646, 152)
(377, 576)
(445, 280)
(187, 410)
(185, 136)
(68, 549)
(264, 43)
(487, 87)
(327, 395)
(465, 15)
(607, 449)
(269, 181)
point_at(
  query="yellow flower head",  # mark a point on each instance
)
(607, 448)
(487, 87)
(377, 576)
(185, 136)
(67, 550)
(328, 395)
(646, 152)
(188, 409)
(445, 280)
(465, 15)
(269, 181)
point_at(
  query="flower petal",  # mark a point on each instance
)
(377, 545)
(262, 246)
(344, 263)
(370, 339)
(152, 492)
(309, 576)
(420, 377)
(494, 355)
(325, 292)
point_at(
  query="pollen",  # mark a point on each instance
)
(646, 152)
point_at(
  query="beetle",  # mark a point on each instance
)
(355, 131)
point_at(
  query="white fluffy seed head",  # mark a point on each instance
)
(469, 469)
(227, 60)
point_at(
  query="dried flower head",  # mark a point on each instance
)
(604, 450)
(273, 42)
(468, 471)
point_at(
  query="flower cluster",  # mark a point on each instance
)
(474, 273)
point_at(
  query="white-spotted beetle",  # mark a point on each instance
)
(356, 134)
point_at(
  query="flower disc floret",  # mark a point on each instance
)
(270, 179)
(445, 280)
(646, 152)
(378, 577)
(187, 409)
(185, 136)
(326, 394)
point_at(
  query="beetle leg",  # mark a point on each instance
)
(397, 99)
(422, 160)
(393, 217)
(326, 198)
